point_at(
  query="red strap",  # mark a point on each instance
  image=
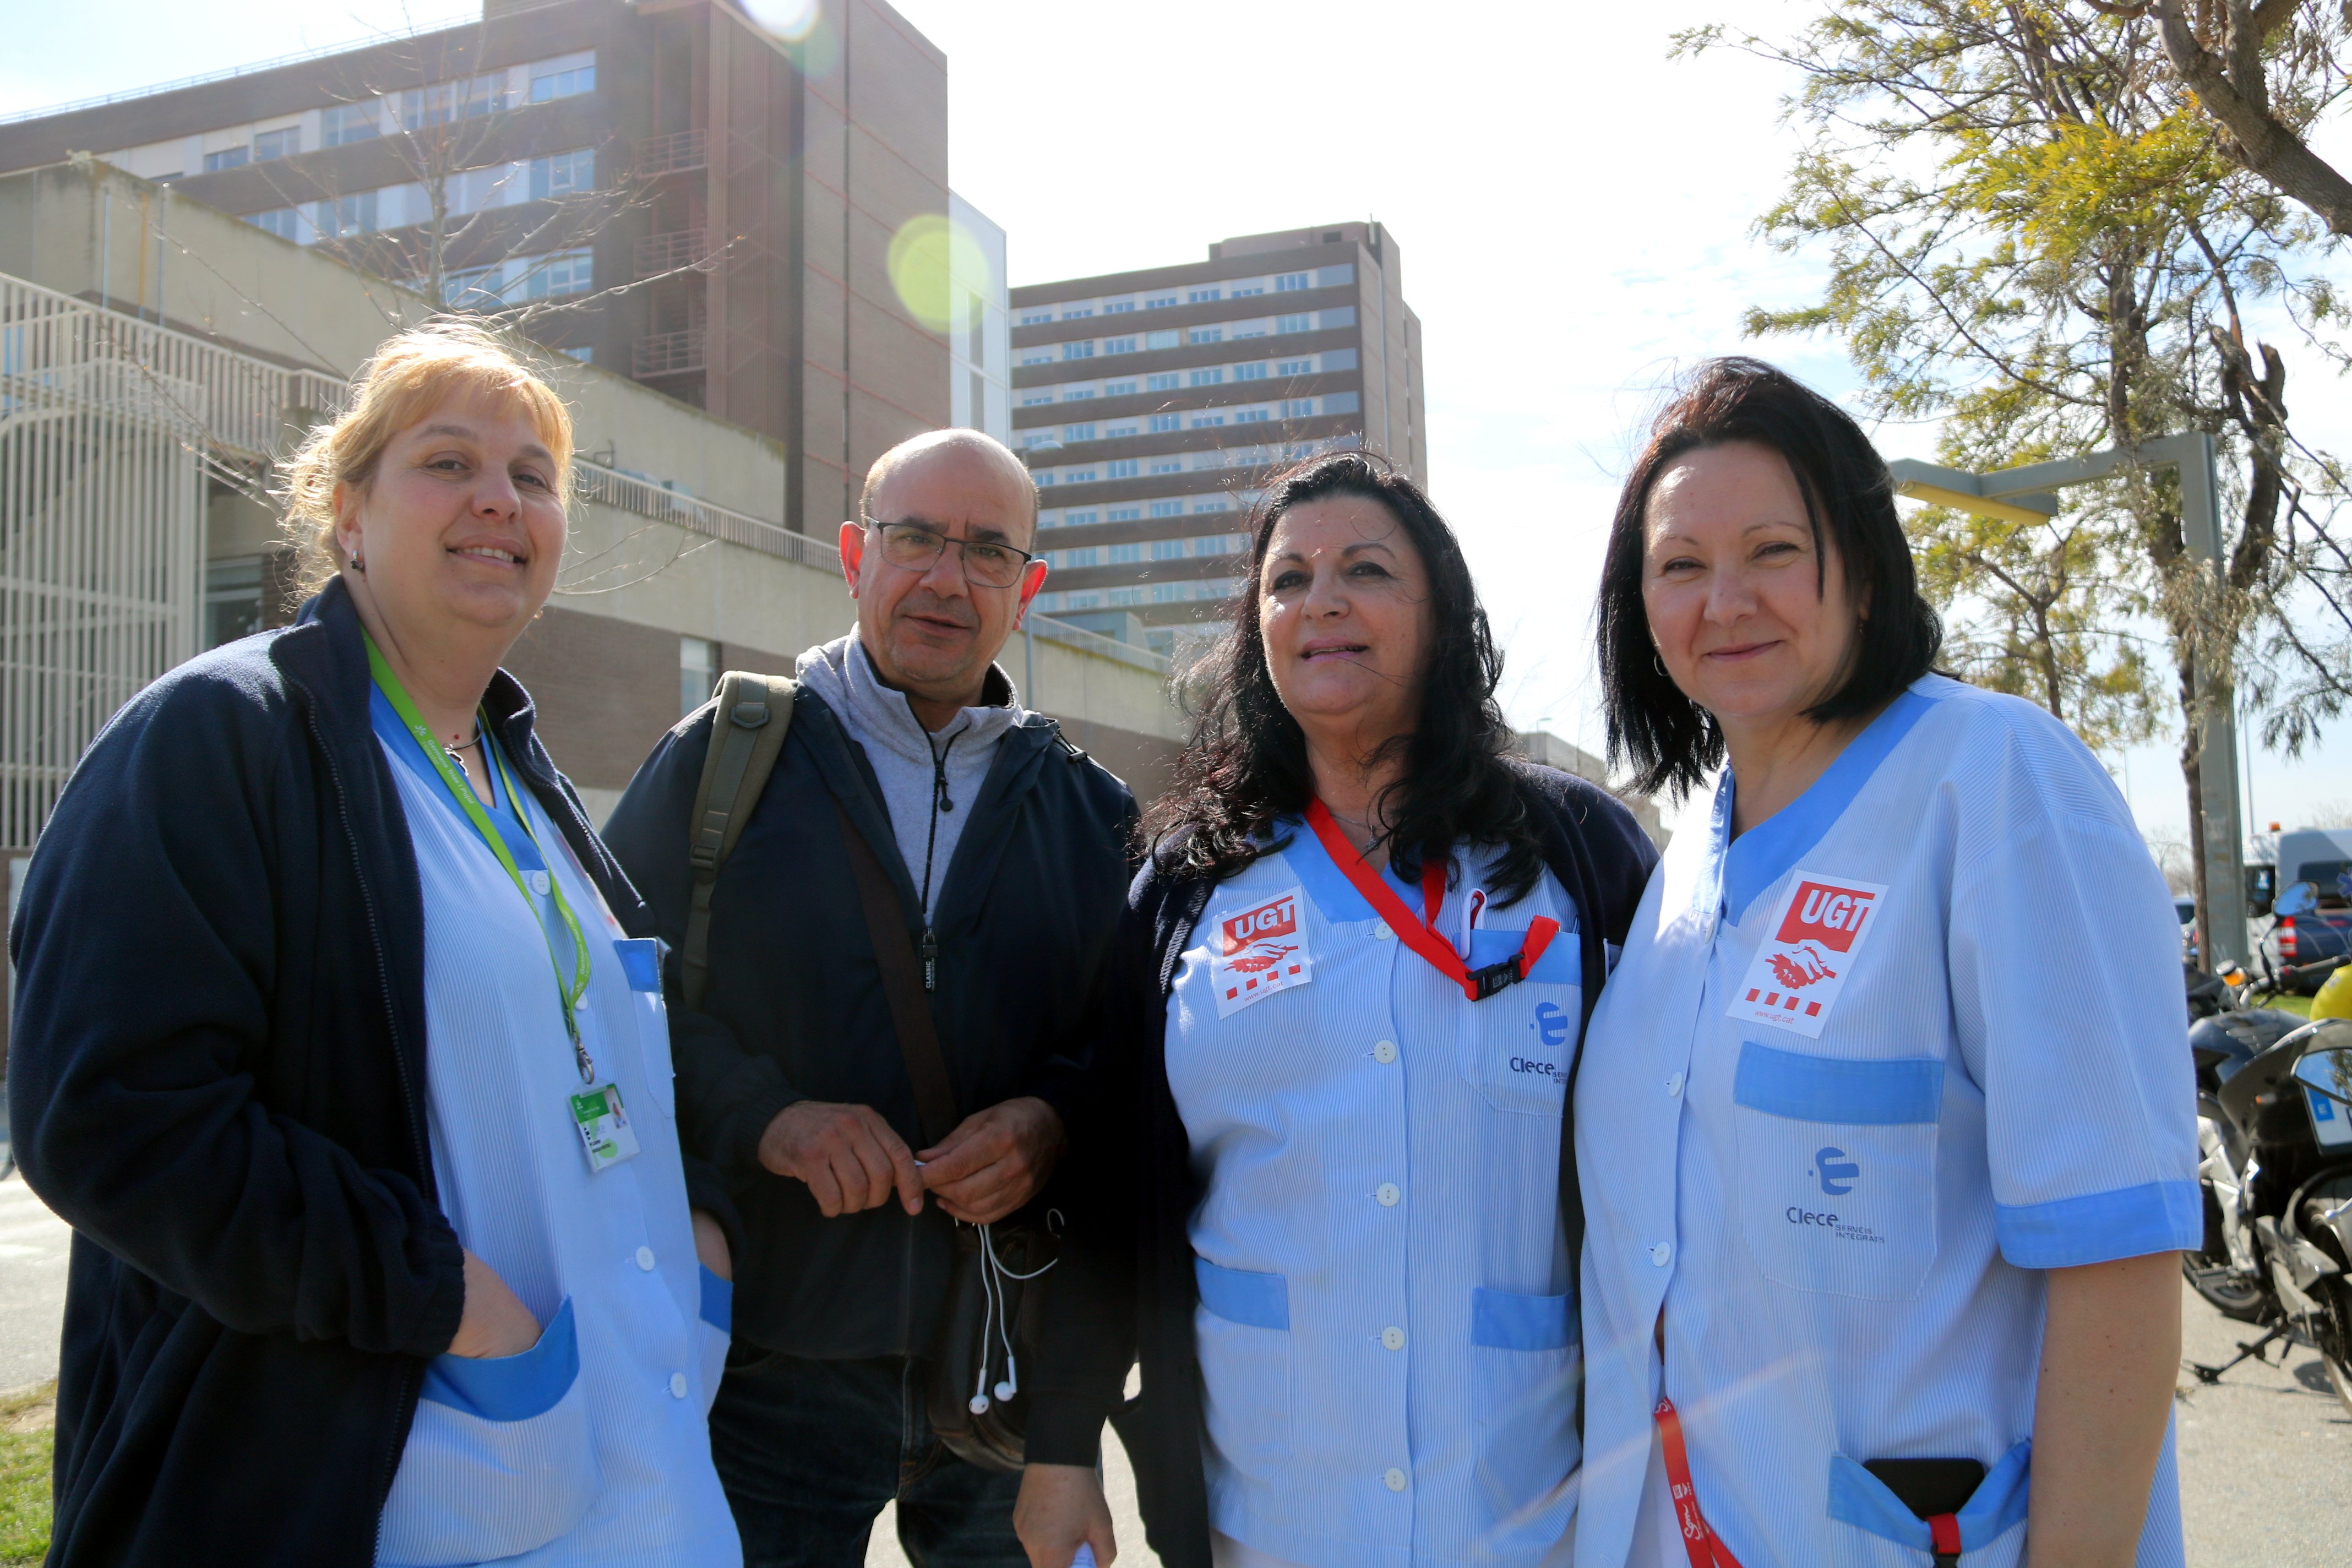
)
(1705, 1547)
(1419, 935)
(1944, 1529)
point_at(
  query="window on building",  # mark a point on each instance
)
(1251, 416)
(1167, 340)
(1249, 373)
(1116, 431)
(349, 216)
(1167, 382)
(1253, 289)
(1345, 316)
(1034, 401)
(1118, 389)
(1118, 307)
(1332, 277)
(1204, 296)
(1091, 555)
(280, 143)
(585, 353)
(283, 222)
(1079, 476)
(475, 289)
(1296, 367)
(1255, 330)
(424, 105)
(1047, 477)
(1076, 519)
(1209, 503)
(487, 95)
(1339, 359)
(567, 83)
(1205, 336)
(1079, 349)
(1168, 465)
(1207, 421)
(1122, 469)
(1121, 554)
(697, 673)
(1119, 345)
(1040, 357)
(1078, 314)
(349, 123)
(1212, 378)
(1167, 509)
(1342, 403)
(232, 599)
(1298, 408)
(563, 173)
(1291, 282)
(1160, 303)
(1037, 318)
(227, 158)
(1160, 422)
(1077, 431)
(566, 272)
(1298, 323)
(1168, 549)
(1077, 393)
(1124, 513)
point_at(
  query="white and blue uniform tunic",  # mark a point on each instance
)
(591, 1447)
(1862, 1074)
(1387, 1341)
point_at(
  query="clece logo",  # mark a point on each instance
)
(1810, 949)
(1837, 1174)
(1551, 1023)
(1276, 918)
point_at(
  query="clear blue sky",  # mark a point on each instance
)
(1572, 209)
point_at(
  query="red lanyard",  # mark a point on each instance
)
(1421, 935)
(1705, 1547)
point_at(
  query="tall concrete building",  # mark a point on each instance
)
(1151, 405)
(753, 193)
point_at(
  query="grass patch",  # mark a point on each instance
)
(25, 1473)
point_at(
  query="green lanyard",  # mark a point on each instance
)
(568, 992)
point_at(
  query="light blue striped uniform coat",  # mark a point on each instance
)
(1387, 1342)
(591, 1447)
(1863, 1073)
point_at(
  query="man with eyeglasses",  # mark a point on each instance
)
(1008, 849)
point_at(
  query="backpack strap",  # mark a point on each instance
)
(753, 714)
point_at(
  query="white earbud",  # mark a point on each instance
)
(979, 1404)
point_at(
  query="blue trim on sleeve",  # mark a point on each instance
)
(640, 961)
(2099, 1228)
(1241, 1296)
(515, 1388)
(718, 1302)
(1997, 1507)
(1769, 850)
(1502, 1321)
(1891, 1092)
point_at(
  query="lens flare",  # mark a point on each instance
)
(932, 260)
(791, 20)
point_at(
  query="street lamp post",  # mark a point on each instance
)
(2024, 495)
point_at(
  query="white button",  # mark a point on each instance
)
(677, 1385)
(1660, 1253)
(1387, 1194)
(1380, 933)
(1674, 1084)
(1392, 1479)
(1385, 1052)
(1392, 1339)
(645, 1259)
(539, 883)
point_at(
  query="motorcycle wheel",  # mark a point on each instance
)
(2223, 1288)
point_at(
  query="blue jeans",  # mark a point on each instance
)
(810, 1450)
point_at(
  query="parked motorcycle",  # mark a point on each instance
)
(2275, 1145)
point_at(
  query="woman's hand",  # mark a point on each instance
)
(710, 1247)
(495, 1322)
(1062, 1507)
(2110, 1356)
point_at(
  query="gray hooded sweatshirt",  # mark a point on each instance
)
(929, 782)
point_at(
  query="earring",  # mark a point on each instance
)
(1661, 665)
(359, 565)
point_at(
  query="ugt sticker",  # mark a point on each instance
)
(1802, 966)
(1258, 951)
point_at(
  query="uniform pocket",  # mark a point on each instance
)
(1242, 1330)
(1516, 1046)
(1524, 1366)
(1837, 1170)
(640, 961)
(715, 1331)
(497, 1460)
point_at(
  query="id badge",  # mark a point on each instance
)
(605, 1131)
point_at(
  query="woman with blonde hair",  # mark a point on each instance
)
(333, 1045)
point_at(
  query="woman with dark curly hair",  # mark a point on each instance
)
(1321, 1185)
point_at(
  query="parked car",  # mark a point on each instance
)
(2322, 856)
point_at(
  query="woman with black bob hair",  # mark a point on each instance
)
(1869, 1278)
(1320, 1185)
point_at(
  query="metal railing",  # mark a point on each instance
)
(664, 354)
(663, 252)
(610, 487)
(1052, 630)
(668, 155)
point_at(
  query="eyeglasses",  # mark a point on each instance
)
(918, 549)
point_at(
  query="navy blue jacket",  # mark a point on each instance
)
(216, 1076)
(1125, 1290)
(794, 1007)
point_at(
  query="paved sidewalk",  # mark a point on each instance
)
(2265, 1454)
(33, 1243)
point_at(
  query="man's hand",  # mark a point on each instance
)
(995, 1161)
(495, 1323)
(1062, 1507)
(847, 1155)
(710, 1245)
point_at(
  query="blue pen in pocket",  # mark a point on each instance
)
(1085, 1557)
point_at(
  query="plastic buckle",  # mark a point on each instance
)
(1494, 977)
